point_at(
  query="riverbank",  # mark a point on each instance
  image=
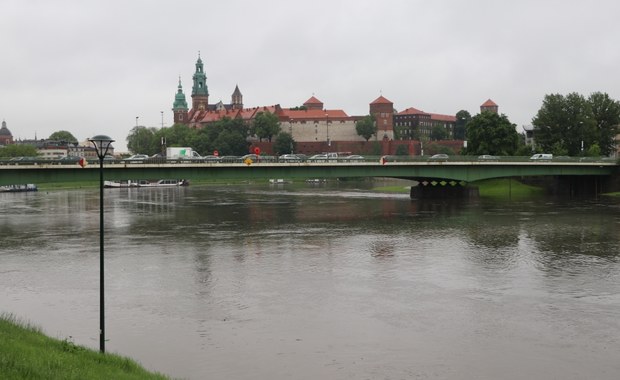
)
(29, 354)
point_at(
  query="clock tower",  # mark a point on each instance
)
(200, 92)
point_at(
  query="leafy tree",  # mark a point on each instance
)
(284, 143)
(63, 136)
(143, 140)
(438, 132)
(606, 113)
(564, 123)
(18, 150)
(266, 125)
(229, 142)
(402, 150)
(366, 127)
(462, 118)
(490, 133)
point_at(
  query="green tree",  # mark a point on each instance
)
(284, 143)
(266, 125)
(462, 118)
(491, 133)
(402, 150)
(438, 132)
(565, 123)
(143, 140)
(606, 113)
(63, 136)
(18, 150)
(366, 127)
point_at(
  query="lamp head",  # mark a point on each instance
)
(102, 143)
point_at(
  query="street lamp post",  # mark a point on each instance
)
(102, 145)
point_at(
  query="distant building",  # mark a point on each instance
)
(383, 111)
(415, 124)
(6, 137)
(489, 106)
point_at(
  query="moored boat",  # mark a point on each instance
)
(18, 188)
(146, 183)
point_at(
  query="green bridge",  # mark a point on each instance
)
(462, 171)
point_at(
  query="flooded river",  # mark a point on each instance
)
(331, 282)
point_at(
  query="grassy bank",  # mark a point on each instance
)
(26, 353)
(493, 188)
(505, 188)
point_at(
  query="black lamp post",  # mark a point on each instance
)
(102, 144)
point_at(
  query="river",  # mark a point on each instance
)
(328, 281)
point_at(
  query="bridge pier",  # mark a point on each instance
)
(429, 190)
(579, 186)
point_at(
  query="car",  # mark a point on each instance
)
(289, 158)
(488, 157)
(542, 157)
(212, 158)
(439, 157)
(136, 158)
(230, 159)
(353, 157)
(318, 158)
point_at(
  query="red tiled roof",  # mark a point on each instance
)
(381, 100)
(412, 111)
(313, 100)
(489, 103)
(436, 116)
(314, 114)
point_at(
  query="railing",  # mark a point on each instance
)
(271, 159)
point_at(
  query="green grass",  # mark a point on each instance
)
(505, 188)
(492, 189)
(26, 353)
(393, 189)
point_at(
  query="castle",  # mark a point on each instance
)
(312, 122)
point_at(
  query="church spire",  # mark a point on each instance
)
(179, 107)
(200, 92)
(237, 99)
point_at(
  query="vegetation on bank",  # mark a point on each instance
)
(29, 354)
(503, 188)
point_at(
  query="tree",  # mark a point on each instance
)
(266, 125)
(606, 113)
(366, 127)
(462, 118)
(18, 150)
(63, 136)
(565, 124)
(490, 133)
(284, 143)
(143, 140)
(438, 132)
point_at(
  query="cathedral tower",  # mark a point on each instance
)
(200, 92)
(179, 108)
(237, 99)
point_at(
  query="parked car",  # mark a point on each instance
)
(439, 157)
(488, 157)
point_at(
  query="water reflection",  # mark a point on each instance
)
(259, 282)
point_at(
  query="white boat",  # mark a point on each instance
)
(18, 188)
(146, 183)
(164, 183)
(120, 184)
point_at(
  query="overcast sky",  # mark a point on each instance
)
(93, 66)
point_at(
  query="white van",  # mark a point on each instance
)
(542, 156)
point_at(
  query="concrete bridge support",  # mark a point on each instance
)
(425, 190)
(580, 186)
